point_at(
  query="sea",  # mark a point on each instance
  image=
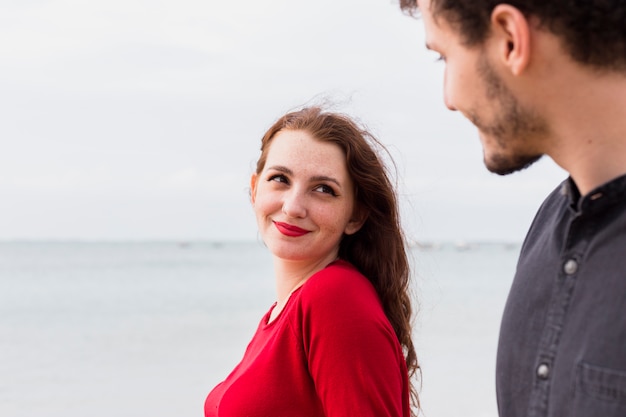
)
(134, 329)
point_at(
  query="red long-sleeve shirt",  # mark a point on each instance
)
(331, 352)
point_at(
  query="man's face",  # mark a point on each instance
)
(510, 133)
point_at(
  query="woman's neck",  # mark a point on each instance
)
(291, 275)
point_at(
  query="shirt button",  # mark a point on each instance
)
(570, 267)
(543, 371)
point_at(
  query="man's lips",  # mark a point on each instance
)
(290, 230)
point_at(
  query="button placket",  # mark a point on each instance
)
(543, 371)
(570, 266)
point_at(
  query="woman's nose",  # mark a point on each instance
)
(294, 205)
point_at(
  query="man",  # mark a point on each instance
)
(541, 77)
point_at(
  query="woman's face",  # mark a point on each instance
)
(304, 198)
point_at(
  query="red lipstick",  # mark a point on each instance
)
(290, 230)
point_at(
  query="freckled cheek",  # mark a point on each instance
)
(332, 220)
(266, 204)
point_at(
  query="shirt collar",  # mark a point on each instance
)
(603, 196)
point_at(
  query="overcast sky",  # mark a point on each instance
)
(141, 119)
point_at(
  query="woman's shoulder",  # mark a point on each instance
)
(338, 275)
(339, 300)
(339, 283)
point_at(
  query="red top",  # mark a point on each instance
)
(331, 352)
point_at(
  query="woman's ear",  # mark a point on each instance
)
(253, 180)
(357, 221)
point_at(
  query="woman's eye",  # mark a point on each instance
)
(278, 178)
(325, 189)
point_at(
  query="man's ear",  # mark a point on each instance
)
(357, 221)
(512, 32)
(253, 180)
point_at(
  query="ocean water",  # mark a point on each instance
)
(148, 328)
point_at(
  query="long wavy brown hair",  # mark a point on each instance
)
(378, 249)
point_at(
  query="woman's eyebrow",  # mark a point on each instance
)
(281, 169)
(325, 178)
(288, 171)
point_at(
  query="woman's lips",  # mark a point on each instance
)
(290, 230)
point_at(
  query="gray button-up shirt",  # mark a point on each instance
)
(562, 350)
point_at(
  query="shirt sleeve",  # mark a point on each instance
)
(353, 354)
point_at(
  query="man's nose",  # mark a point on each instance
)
(449, 104)
(448, 97)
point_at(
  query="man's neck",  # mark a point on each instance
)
(589, 128)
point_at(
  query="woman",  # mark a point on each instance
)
(338, 340)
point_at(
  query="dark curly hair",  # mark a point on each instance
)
(378, 249)
(593, 31)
